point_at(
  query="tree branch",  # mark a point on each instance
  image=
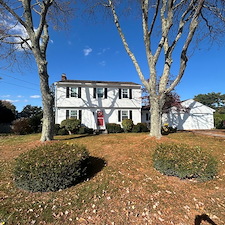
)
(44, 6)
(13, 13)
(183, 56)
(169, 49)
(129, 52)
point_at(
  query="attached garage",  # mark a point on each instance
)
(192, 116)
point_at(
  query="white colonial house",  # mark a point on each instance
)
(96, 103)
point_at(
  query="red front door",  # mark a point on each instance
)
(100, 118)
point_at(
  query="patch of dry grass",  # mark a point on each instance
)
(128, 190)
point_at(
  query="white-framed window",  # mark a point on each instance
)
(74, 92)
(100, 92)
(124, 115)
(73, 114)
(124, 93)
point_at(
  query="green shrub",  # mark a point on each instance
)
(22, 126)
(172, 129)
(113, 128)
(56, 128)
(35, 123)
(184, 162)
(127, 125)
(165, 130)
(71, 125)
(85, 130)
(62, 131)
(5, 128)
(140, 127)
(50, 167)
(218, 120)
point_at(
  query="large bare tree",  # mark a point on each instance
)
(169, 27)
(24, 30)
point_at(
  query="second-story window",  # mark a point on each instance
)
(100, 92)
(74, 92)
(124, 93)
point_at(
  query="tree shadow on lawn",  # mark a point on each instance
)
(94, 166)
(203, 217)
(73, 137)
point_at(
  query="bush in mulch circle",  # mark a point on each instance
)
(51, 167)
(184, 162)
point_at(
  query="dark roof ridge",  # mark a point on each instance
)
(93, 81)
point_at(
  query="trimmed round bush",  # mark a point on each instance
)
(51, 167)
(127, 125)
(71, 125)
(184, 162)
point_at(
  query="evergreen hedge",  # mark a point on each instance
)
(113, 128)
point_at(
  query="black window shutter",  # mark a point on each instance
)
(106, 92)
(79, 92)
(67, 92)
(119, 116)
(130, 94)
(119, 93)
(94, 93)
(80, 115)
(67, 114)
(131, 114)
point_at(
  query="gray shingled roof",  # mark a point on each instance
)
(94, 82)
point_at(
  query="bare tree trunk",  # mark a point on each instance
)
(47, 102)
(156, 116)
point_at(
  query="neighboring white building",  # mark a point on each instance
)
(96, 103)
(194, 116)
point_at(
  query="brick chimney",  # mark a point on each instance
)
(63, 77)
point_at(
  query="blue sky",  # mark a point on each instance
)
(93, 51)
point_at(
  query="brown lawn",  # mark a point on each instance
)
(125, 189)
